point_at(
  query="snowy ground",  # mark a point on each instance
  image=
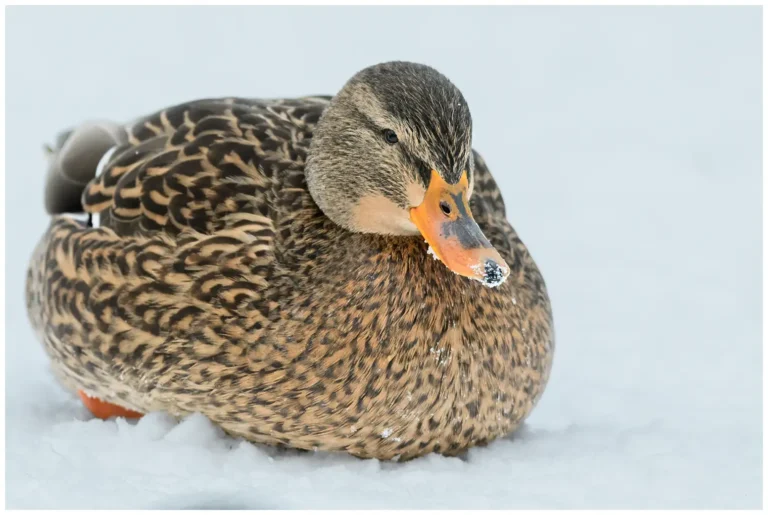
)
(627, 143)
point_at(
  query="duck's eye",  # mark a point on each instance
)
(445, 208)
(390, 136)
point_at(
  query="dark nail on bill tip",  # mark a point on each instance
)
(493, 273)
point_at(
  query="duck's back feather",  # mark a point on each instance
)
(190, 166)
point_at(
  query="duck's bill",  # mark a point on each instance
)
(445, 221)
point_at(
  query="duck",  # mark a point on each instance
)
(327, 273)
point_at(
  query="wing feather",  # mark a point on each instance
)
(199, 166)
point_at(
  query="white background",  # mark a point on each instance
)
(627, 143)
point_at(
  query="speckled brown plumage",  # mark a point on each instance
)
(215, 285)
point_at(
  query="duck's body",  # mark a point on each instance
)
(216, 285)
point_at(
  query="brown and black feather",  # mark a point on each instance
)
(214, 284)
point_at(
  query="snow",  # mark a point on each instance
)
(627, 144)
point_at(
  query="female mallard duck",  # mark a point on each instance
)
(263, 262)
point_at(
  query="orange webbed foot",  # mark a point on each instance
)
(105, 410)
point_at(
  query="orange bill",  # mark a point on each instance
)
(454, 237)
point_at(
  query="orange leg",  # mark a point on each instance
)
(104, 410)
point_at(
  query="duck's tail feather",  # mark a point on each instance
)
(74, 162)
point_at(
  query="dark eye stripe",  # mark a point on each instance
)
(425, 172)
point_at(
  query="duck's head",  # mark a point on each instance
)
(392, 154)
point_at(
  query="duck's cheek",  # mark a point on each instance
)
(380, 215)
(396, 227)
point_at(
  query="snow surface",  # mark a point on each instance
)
(627, 145)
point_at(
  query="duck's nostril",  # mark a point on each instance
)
(445, 208)
(493, 273)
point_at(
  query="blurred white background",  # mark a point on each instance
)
(627, 143)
